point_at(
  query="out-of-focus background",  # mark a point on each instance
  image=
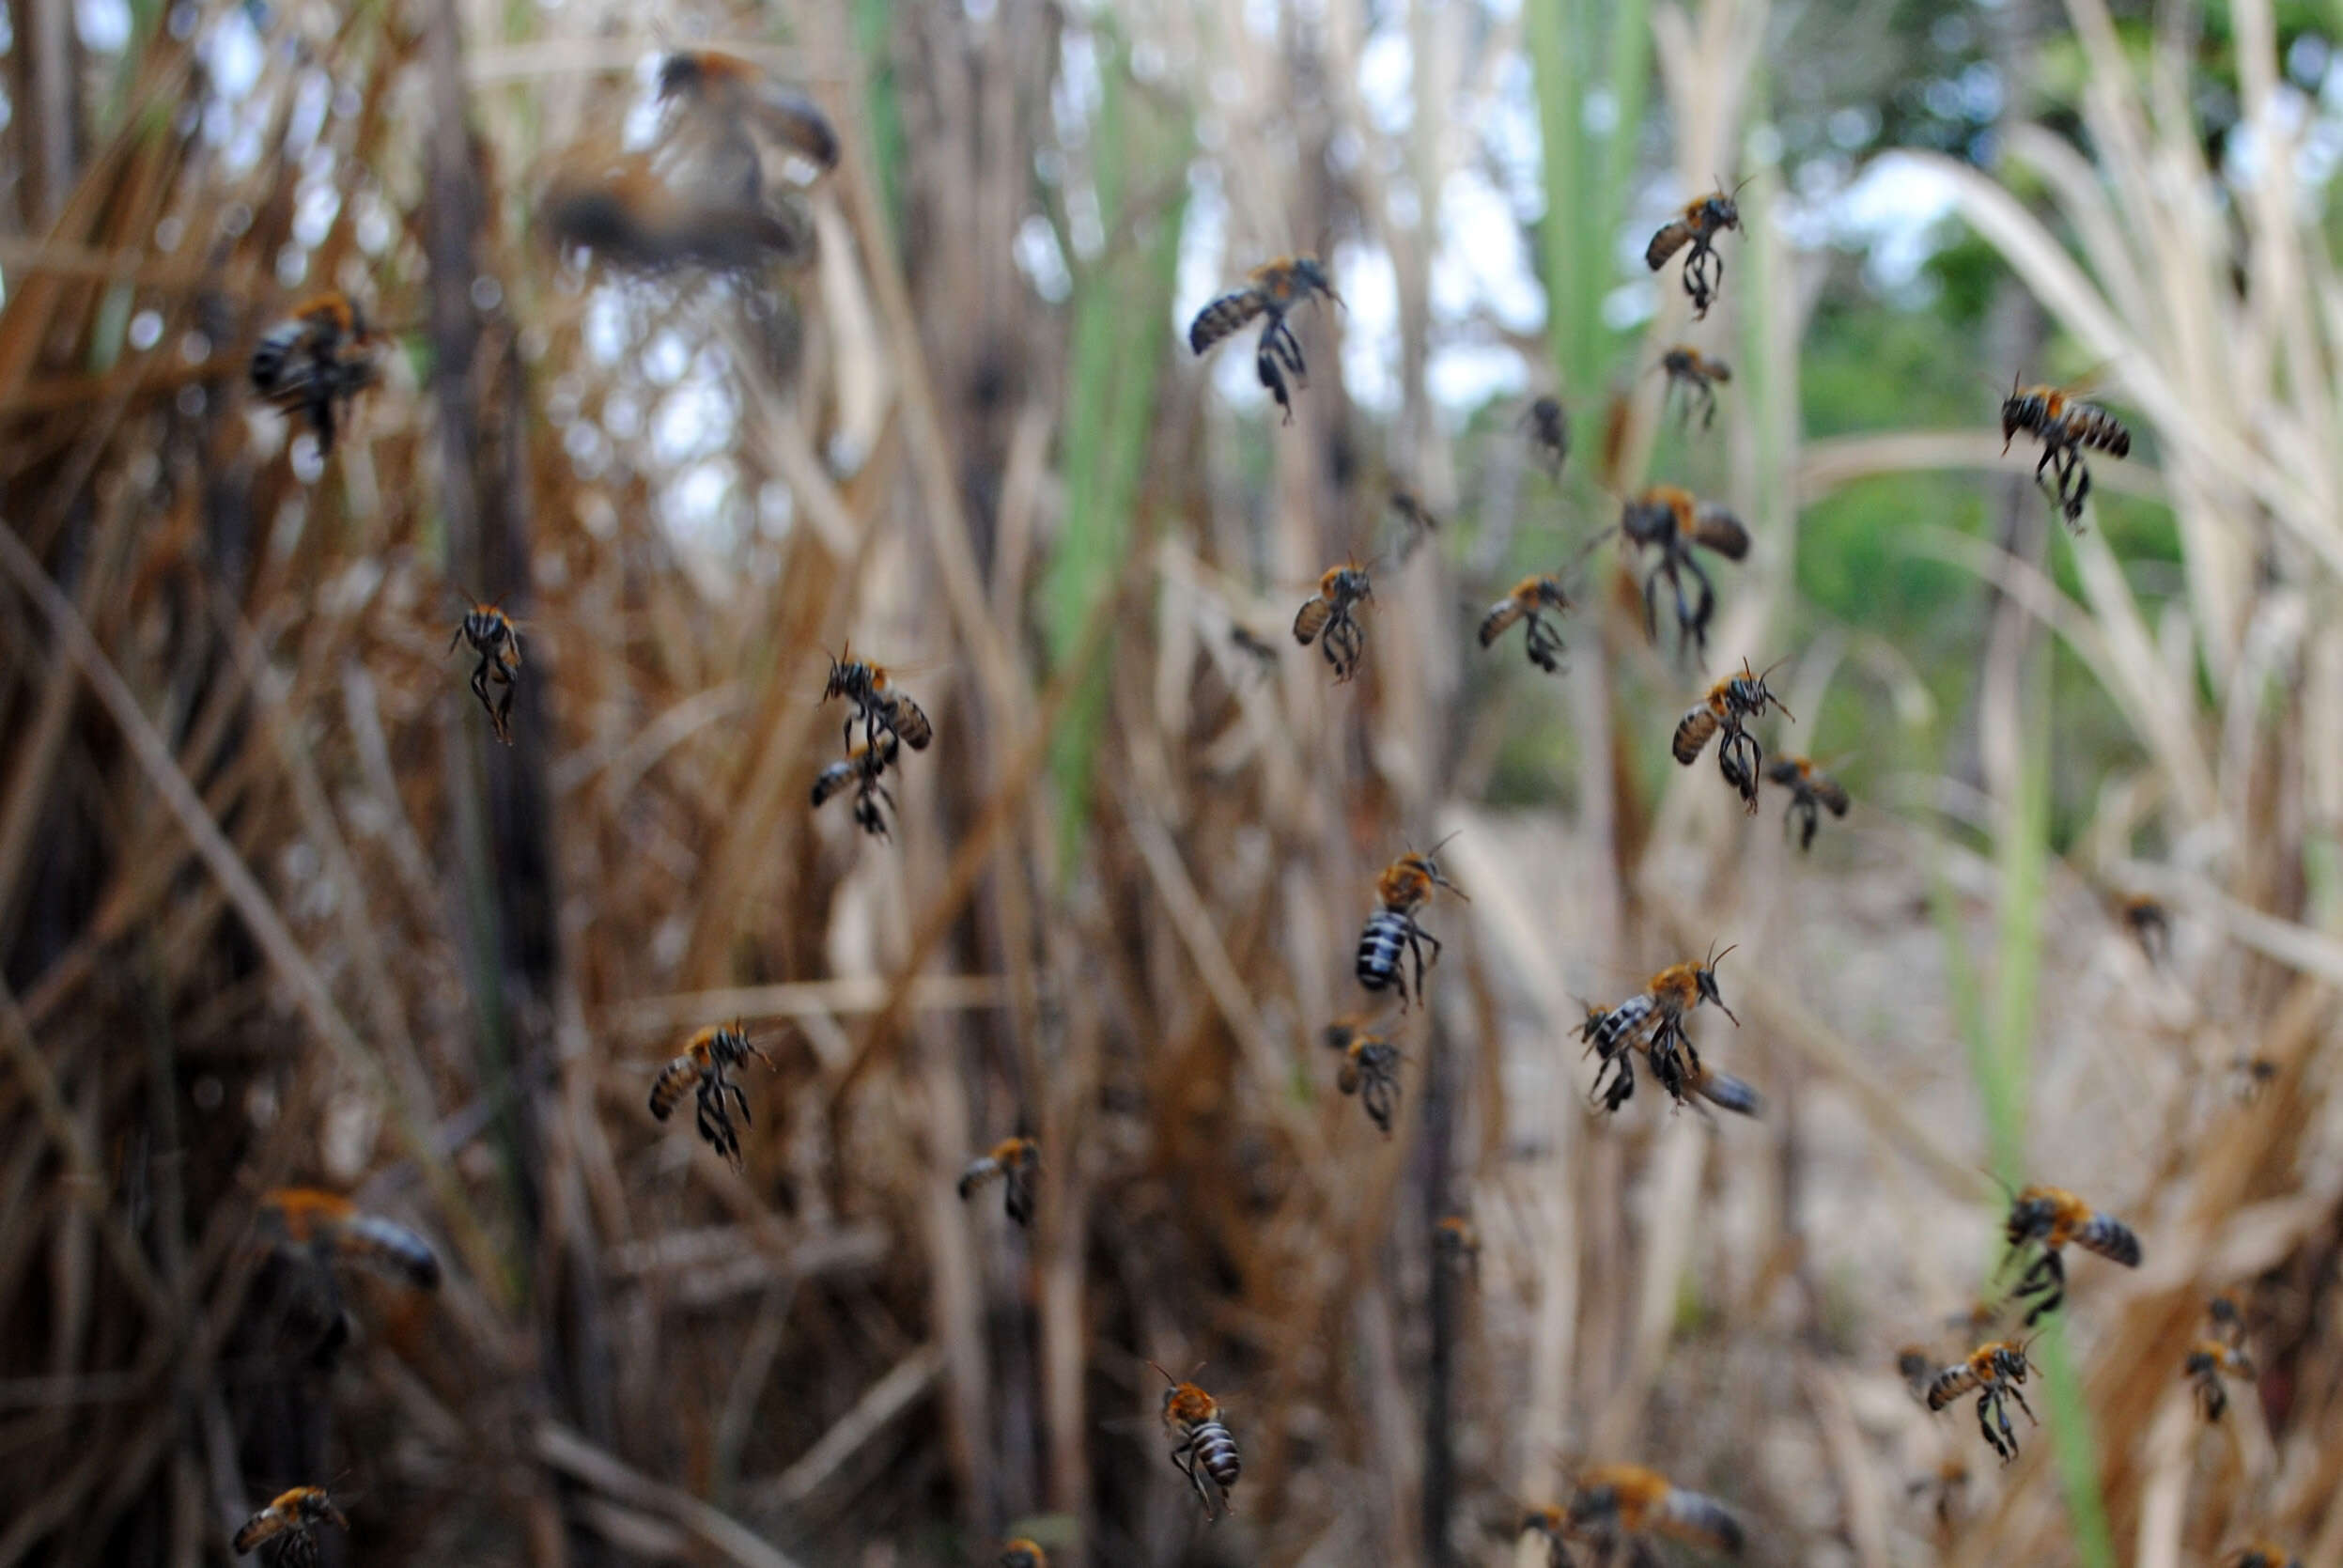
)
(276, 909)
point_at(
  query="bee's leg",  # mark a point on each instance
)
(1985, 1424)
(2082, 475)
(1545, 644)
(1375, 1095)
(2052, 1288)
(1266, 366)
(480, 683)
(1708, 405)
(1813, 820)
(1623, 1084)
(1652, 601)
(741, 1100)
(322, 418)
(2019, 1395)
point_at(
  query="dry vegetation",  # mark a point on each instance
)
(275, 908)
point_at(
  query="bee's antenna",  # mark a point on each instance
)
(1167, 1376)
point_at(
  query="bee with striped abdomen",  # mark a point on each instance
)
(1526, 601)
(1698, 225)
(2220, 1354)
(1996, 1371)
(2066, 427)
(700, 1070)
(1652, 1019)
(862, 767)
(1331, 620)
(496, 638)
(291, 1520)
(2052, 1216)
(1013, 1162)
(1667, 518)
(1729, 707)
(1405, 886)
(1698, 377)
(1022, 1553)
(2262, 1554)
(1370, 1070)
(1614, 1505)
(878, 705)
(1811, 791)
(316, 362)
(1272, 290)
(1205, 1452)
(1549, 434)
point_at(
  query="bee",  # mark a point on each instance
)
(1996, 1370)
(2066, 427)
(1370, 1070)
(1262, 652)
(1525, 601)
(1698, 377)
(331, 1229)
(1667, 518)
(1548, 424)
(1728, 707)
(316, 362)
(496, 639)
(2149, 924)
(1809, 787)
(1406, 886)
(879, 706)
(701, 1069)
(1458, 1241)
(2262, 1554)
(1653, 1018)
(735, 105)
(1950, 1480)
(862, 767)
(1417, 523)
(1615, 1502)
(1205, 1451)
(1272, 290)
(1014, 1160)
(292, 1521)
(1698, 225)
(2220, 1353)
(2054, 1217)
(1331, 620)
(1022, 1553)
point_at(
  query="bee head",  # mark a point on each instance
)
(1704, 979)
(1311, 274)
(2013, 414)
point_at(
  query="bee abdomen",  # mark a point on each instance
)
(1692, 733)
(1667, 242)
(1829, 792)
(1311, 619)
(1222, 317)
(1705, 1518)
(2097, 427)
(2111, 1239)
(1950, 1384)
(391, 1249)
(1721, 532)
(1503, 613)
(910, 722)
(1379, 946)
(1619, 1024)
(671, 1086)
(1215, 1454)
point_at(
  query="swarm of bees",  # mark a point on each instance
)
(700, 1071)
(1726, 710)
(1272, 290)
(2220, 1353)
(1013, 1162)
(1204, 1451)
(315, 362)
(291, 1520)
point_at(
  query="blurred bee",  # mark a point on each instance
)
(2066, 427)
(1205, 1451)
(1996, 1370)
(1918, 1369)
(315, 362)
(2262, 1554)
(1525, 601)
(292, 1521)
(332, 1230)
(630, 216)
(2220, 1354)
(1946, 1485)
(727, 105)
(1417, 523)
(1614, 1504)
(1698, 225)
(1014, 1160)
(2054, 1217)
(1406, 886)
(1262, 652)
(1555, 1526)
(1698, 377)
(2149, 924)
(1023, 1553)
(1272, 290)
(496, 639)
(1809, 787)
(1666, 519)
(1370, 1070)
(1653, 1016)
(879, 706)
(862, 767)
(701, 1070)
(1550, 433)
(1728, 707)
(1329, 618)
(1457, 1240)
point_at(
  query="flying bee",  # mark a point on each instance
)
(1370, 1069)
(1667, 518)
(1729, 707)
(331, 1229)
(1526, 601)
(315, 362)
(1272, 290)
(878, 705)
(1809, 787)
(862, 767)
(628, 214)
(2054, 1217)
(2067, 428)
(1549, 434)
(733, 105)
(1698, 377)
(2262, 1554)
(1458, 1240)
(1262, 652)
(291, 1520)
(1698, 225)
(2220, 1354)
(1653, 1018)
(1022, 1553)
(2149, 924)
(1405, 886)
(1014, 1160)
(701, 1070)
(1204, 1452)
(1996, 1370)
(496, 638)
(1417, 523)
(1330, 619)
(1615, 1504)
